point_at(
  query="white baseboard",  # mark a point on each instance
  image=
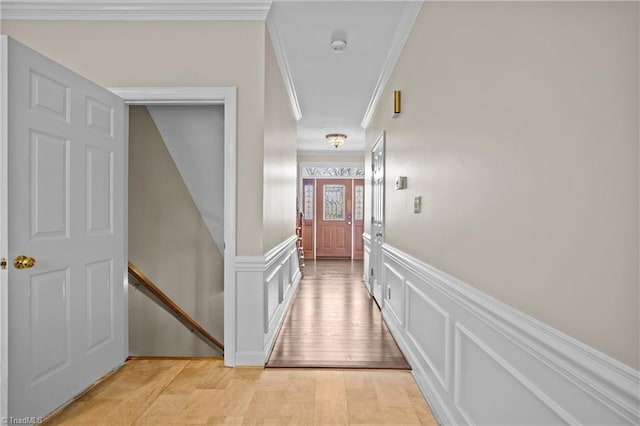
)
(265, 286)
(249, 358)
(479, 361)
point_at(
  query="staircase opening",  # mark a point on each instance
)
(176, 230)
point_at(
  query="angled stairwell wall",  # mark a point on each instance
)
(170, 241)
(194, 135)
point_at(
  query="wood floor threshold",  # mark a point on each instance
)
(309, 365)
(177, 358)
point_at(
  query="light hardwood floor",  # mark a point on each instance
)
(333, 322)
(184, 392)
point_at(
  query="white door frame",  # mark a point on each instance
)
(376, 245)
(301, 167)
(4, 226)
(226, 96)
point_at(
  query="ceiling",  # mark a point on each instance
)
(334, 90)
(333, 93)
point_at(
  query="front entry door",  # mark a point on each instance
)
(334, 217)
(65, 196)
(377, 217)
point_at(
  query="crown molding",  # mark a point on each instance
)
(407, 20)
(283, 63)
(136, 10)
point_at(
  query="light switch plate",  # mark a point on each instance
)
(417, 204)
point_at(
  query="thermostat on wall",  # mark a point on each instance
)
(401, 182)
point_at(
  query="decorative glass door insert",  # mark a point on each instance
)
(334, 202)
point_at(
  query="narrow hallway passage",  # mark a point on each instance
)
(334, 323)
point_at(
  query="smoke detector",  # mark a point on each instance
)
(338, 46)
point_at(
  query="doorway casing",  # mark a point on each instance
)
(225, 96)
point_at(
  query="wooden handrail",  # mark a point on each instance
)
(146, 286)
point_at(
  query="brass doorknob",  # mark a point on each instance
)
(23, 262)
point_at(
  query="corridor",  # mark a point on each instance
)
(333, 322)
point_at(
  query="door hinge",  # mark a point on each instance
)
(373, 167)
(3, 263)
(371, 271)
(388, 292)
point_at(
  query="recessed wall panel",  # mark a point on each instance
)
(49, 96)
(428, 329)
(99, 302)
(489, 391)
(394, 293)
(273, 288)
(49, 305)
(49, 186)
(99, 191)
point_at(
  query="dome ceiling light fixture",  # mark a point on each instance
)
(338, 46)
(336, 139)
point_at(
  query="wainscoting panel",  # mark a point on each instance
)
(272, 299)
(479, 361)
(429, 330)
(393, 292)
(265, 286)
(366, 238)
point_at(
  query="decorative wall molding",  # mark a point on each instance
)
(266, 285)
(366, 238)
(472, 349)
(283, 63)
(332, 171)
(140, 10)
(402, 33)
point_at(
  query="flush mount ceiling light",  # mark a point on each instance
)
(336, 139)
(338, 46)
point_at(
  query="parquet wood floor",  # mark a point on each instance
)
(195, 392)
(333, 322)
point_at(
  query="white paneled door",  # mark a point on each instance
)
(65, 195)
(377, 217)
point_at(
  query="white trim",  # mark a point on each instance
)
(409, 15)
(208, 95)
(521, 378)
(283, 63)
(4, 225)
(289, 253)
(145, 10)
(250, 263)
(250, 358)
(425, 383)
(171, 95)
(527, 349)
(125, 207)
(275, 253)
(258, 328)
